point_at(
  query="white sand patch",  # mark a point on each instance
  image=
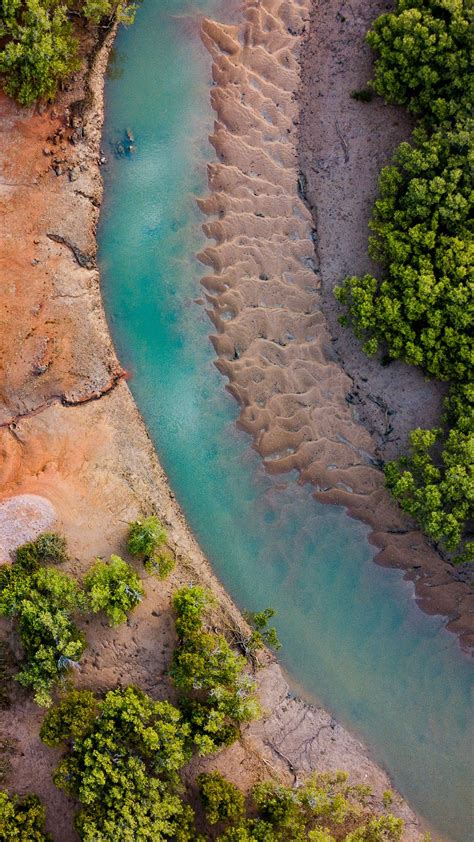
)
(22, 518)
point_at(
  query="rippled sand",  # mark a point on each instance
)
(264, 297)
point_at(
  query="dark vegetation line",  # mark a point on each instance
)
(420, 309)
(124, 752)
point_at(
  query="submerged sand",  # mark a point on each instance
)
(273, 341)
(71, 435)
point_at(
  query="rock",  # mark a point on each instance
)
(47, 151)
(73, 174)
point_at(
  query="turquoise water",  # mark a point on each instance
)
(352, 634)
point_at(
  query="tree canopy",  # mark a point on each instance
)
(22, 819)
(39, 49)
(123, 758)
(424, 57)
(42, 603)
(113, 587)
(216, 692)
(422, 308)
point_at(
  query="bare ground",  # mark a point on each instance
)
(343, 145)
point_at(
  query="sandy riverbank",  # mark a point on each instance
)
(266, 291)
(72, 435)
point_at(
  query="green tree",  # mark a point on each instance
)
(47, 548)
(42, 604)
(424, 57)
(222, 800)
(262, 635)
(123, 765)
(146, 539)
(160, 564)
(423, 307)
(96, 11)
(39, 49)
(435, 482)
(216, 694)
(22, 819)
(324, 808)
(113, 587)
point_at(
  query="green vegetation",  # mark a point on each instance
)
(39, 49)
(435, 484)
(122, 763)
(222, 801)
(324, 808)
(47, 548)
(21, 819)
(424, 61)
(261, 635)
(146, 539)
(42, 602)
(421, 309)
(113, 587)
(160, 564)
(216, 693)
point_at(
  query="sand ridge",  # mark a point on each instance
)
(264, 297)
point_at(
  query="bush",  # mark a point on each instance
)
(42, 603)
(113, 587)
(324, 808)
(22, 819)
(422, 309)
(48, 548)
(40, 49)
(435, 483)
(217, 695)
(123, 765)
(423, 60)
(160, 564)
(145, 537)
(261, 635)
(222, 800)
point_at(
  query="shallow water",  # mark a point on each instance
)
(352, 634)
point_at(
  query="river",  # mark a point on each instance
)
(352, 634)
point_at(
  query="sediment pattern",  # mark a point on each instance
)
(272, 340)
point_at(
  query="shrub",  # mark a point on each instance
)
(324, 808)
(47, 548)
(217, 695)
(145, 537)
(42, 603)
(113, 587)
(262, 635)
(222, 800)
(40, 49)
(422, 308)
(424, 57)
(435, 483)
(123, 765)
(22, 819)
(160, 564)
